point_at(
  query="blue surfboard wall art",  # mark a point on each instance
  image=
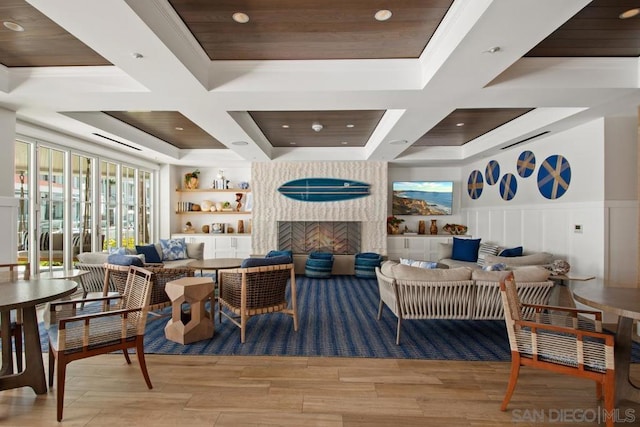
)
(324, 189)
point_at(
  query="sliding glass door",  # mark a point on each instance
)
(71, 200)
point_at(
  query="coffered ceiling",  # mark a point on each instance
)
(438, 81)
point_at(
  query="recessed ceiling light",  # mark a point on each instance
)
(383, 15)
(178, 128)
(345, 143)
(292, 143)
(398, 142)
(239, 143)
(629, 13)
(351, 125)
(240, 18)
(13, 26)
(137, 55)
(285, 126)
(460, 124)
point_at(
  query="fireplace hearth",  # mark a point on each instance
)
(303, 237)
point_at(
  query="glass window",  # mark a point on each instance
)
(81, 203)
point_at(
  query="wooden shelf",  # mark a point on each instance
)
(213, 190)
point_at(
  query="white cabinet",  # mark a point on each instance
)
(221, 245)
(406, 247)
(420, 247)
(232, 246)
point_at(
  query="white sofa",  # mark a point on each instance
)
(454, 293)
(536, 258)
(195, 251)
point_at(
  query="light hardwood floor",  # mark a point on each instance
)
(303, 391)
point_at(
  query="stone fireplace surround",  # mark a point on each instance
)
(270, 207)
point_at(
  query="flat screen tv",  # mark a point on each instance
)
(422, 198)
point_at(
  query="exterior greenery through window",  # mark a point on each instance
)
(104, 198)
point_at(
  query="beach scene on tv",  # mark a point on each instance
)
(422, 198)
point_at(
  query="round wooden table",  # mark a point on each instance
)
(25, 295)
(215, 264)
(625, 302)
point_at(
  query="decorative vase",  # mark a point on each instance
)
(238, 201)
(240, 226)
(393, 229)
(422, 227)
(191, 182)
(434, 227)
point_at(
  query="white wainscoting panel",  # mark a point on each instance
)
(550, 229)
(9, 233)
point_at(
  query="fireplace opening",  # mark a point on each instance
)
(303, 237)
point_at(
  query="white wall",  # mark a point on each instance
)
(540, 224)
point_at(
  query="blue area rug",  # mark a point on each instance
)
(337, 317)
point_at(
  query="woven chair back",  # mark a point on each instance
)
(10, 272)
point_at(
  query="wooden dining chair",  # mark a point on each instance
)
(11, 272)
(77, 333)
(558, 339)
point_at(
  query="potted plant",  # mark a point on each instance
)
(191, 179)
(393, 224)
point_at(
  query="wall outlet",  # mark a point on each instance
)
(577, 228)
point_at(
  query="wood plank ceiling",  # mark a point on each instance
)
(307, 29)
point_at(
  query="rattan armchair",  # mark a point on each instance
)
(93, 281)
(116, 276)
(558, 339)
(14, 319)
(77, 333)
(247, 292)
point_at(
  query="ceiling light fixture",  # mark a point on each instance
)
(344, 143)
(494, 49)
(317, 126)
(292, 143)
(285, 126)
(137, 55)
(240, 17)
(383, 15)
(239, 143)
(351, 125)
(398, 142)
(13, 26)
(178, 128)
(460, 124)
(629, 13)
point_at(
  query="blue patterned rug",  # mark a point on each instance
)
(337, 317)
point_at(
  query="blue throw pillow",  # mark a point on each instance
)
(118, 259)
(511, 252)
(260, 262)
(287, 252)
(495, 267)
(173, 249)
(150, 253)
(465, 249)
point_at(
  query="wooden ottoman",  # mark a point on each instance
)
(194, 324)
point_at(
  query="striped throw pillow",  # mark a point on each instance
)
(484, 250)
